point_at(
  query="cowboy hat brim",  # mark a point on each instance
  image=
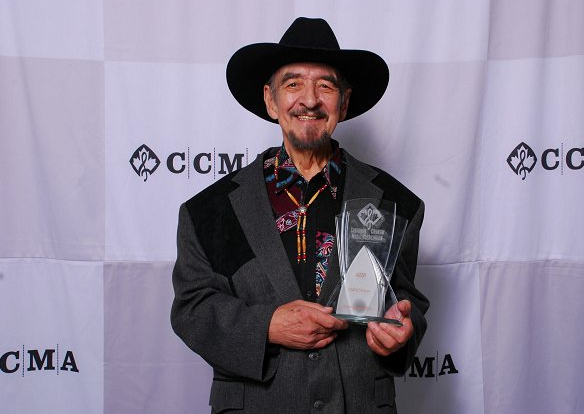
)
(250, 68)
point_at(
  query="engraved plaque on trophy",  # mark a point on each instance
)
(369, 235)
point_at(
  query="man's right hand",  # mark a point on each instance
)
(304, 325)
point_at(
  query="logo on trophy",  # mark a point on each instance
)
(369, 236)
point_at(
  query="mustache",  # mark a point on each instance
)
(305, 112)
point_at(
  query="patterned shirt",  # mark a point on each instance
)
(320, 218)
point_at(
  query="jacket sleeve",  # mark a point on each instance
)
(228, 333)
(403, 285)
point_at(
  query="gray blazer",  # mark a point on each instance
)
(231, 274)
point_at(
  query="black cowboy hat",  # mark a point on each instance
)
(306, 40)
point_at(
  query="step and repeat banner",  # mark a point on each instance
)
(113, 112)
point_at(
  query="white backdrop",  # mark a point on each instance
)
(482, 119)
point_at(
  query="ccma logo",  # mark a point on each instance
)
(144, 162)
(31, 360)
(432, 367)
(523, 160)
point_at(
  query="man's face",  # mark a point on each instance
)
(307, 103)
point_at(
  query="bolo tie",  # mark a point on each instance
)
(302, 210)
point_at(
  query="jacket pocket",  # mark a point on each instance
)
(226, 395)
(384, 392)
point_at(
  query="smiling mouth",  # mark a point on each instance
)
(306, 115)
(308, 118)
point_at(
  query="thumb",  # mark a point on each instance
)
(405, 307)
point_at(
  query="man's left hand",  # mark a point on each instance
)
(385, 338)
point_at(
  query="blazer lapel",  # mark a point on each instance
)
(252, 207)
(358, 184)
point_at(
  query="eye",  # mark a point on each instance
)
(327, 86)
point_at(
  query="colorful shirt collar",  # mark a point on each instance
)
(288, 174)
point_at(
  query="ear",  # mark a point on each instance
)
(271, 106)
(345, 105)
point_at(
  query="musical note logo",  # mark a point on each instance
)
(522, 160)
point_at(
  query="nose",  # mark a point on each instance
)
(309, 96)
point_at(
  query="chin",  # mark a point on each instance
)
(311, 142)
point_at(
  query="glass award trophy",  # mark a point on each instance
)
(369, 235)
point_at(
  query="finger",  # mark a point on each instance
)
(325, 341)
(399, 310)
(393, 330)
(316, 306)
(315, 340)
(374, 345)
(405, 307)
(331, 323)
(390, 336)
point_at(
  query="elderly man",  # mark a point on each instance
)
(252, 283)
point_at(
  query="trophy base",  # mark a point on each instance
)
(362, 320)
